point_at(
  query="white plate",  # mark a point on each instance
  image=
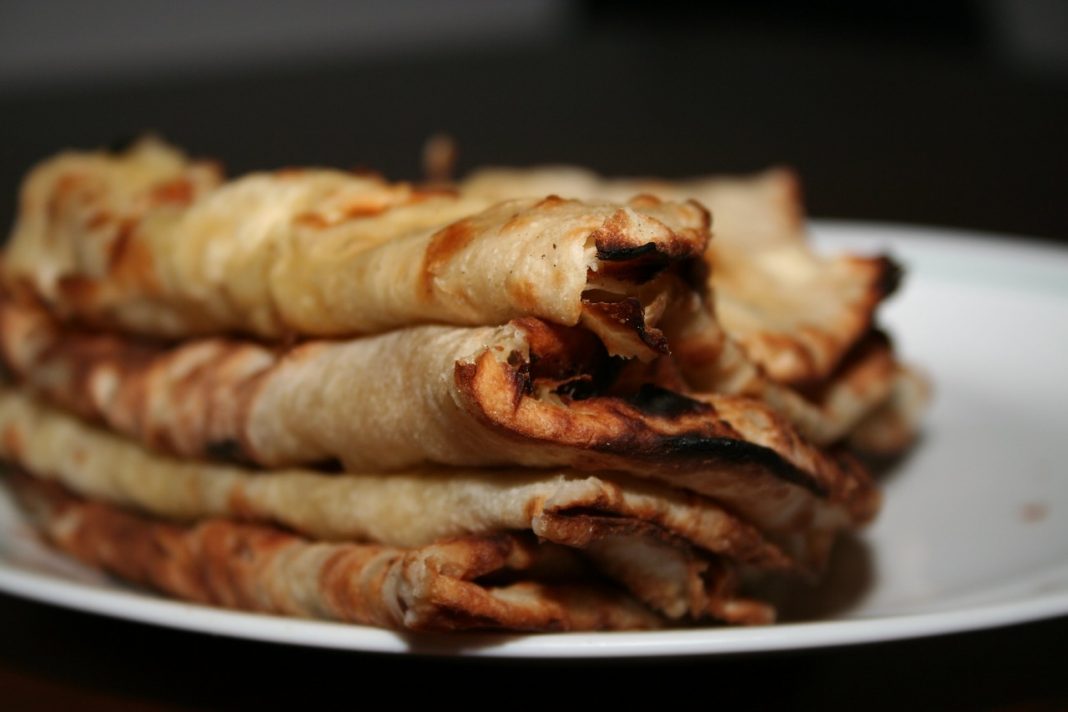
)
(974, 532)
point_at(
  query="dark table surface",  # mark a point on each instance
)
(880, 130)
(57, 659)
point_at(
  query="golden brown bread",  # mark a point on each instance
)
(656, 541)
(523, 394)
(151, 242)
(506, 322)
(790, 327)
(710, 362)
(259, 568)
(409, 508)
(795, 313)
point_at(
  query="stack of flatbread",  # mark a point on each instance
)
(532, 400)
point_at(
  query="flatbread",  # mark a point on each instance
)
(526, 393)
(151, 241)
(410, 508)
(253, 567)
(787, 326)
(145, 242)
(796, 314)
(708, 361)
(672, 579)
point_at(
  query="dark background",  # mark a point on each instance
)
(52, 659)
(935, 113)
(949, 113)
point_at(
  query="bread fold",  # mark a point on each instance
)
(409, 508)
(781, 323)
(534, 400)
(447, 586)
(824, 413)
(527, 393)
(795, 313)
(677, 552)
(139, 242)
(149, 241)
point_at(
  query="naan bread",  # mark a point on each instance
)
(574, 335)
(788, 327)
(410, 508)
(526, 393)
(795, 314)
(150, 242)
(258, 568)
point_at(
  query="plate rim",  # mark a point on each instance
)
(130, 605)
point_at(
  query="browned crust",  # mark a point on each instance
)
(30, 340)
(621, 325)
(358, 208)
(736, 539)
(660, 553)
(615, 503)
(667, 436)
(443, 247)
(129, 261)
(683, 582)
(890, 276)
(829, 411)
(810, 355)
(179, 191)
(655, 425)
(257, 568)
(69, 365)
(666, 433)
(74, 290)
(614, 240)
(868, 366)
(552, 405)
(884, 278)
(622, 257)
(110, 222)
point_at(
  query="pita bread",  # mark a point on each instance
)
(258, 568)
(794, 313)
(143, 242)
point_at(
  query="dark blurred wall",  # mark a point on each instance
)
(894, 112)
(72, 42)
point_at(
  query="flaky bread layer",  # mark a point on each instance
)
(257, 568)
(526, 393)
(151, 242)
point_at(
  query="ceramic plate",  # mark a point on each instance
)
(974, 532)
